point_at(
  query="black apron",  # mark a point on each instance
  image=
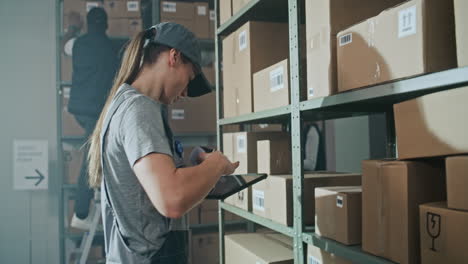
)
(173, 251)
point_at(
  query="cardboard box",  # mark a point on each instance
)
(242, 147)
(80, 6)
(271, 87)
(202, 20)
(238, 5)
(391, 194)
(177, 9)
(246, 51)
(242, 199)
(324, 19)
(73, 160)
(204, 248)
(273, 197)
(124, 27)
(461, 28)
(212, 29)
(338, 213)
(225, 10)
(316, 255)
(194, 115)
(122, 9)
(274, 156)
(258, 248)
(443, 234)
(410, 39)
(430, 125)
(457, 182)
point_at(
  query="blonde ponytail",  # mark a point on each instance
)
(127, 74)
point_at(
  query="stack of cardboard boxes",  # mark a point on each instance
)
(124, 18)
(193, 15)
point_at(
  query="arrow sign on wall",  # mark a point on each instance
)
(39, 177)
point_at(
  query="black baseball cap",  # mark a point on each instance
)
(178, 37)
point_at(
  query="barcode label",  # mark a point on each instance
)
(346, 39)
(263, 126)
(91, 5)
(201, 10)
(178, 114)
(66, 92)
(277, 79)
(212, 15)
(241, 144)
(133, 6)
(339, 201)
(170, 7)
(242, 40)
(258, 200)
(314, 260)
(407, 22)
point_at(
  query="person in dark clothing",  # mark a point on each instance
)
(95, 62)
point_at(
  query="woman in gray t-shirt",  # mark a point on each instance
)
(133, 157)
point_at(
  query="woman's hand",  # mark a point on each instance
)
(220, 158)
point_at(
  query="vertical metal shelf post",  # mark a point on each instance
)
(59, 169)
(218, 126)
(296, 151)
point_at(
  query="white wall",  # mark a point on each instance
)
(28, 220)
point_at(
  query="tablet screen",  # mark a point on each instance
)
(228, 185)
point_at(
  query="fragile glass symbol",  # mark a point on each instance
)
(433, 227)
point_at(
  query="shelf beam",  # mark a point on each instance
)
(352, 253)
(288, 231)
(279, 114)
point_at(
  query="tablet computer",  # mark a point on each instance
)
(231, 184)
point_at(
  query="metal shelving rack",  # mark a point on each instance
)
(365, 101)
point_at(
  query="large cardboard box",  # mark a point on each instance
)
(238, 5)
(271, 87)
(124, 27)
(457, 182)
(461, 28)
(338, 213)
(316, 255)
(391, 194)
(122, 9)
(202, 20)
(431, 125)
(443, 234)
(274, 156)
(246, 51)
(324, 19)
(242, 147)
(204, 248)
(194, 115)
(410, 39)
(79, 6)
(258, 248)
(225, 10)
(273, 197)
(179, 12)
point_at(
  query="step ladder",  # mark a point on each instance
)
(88, 237)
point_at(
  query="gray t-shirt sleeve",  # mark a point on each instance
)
(142, 130)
